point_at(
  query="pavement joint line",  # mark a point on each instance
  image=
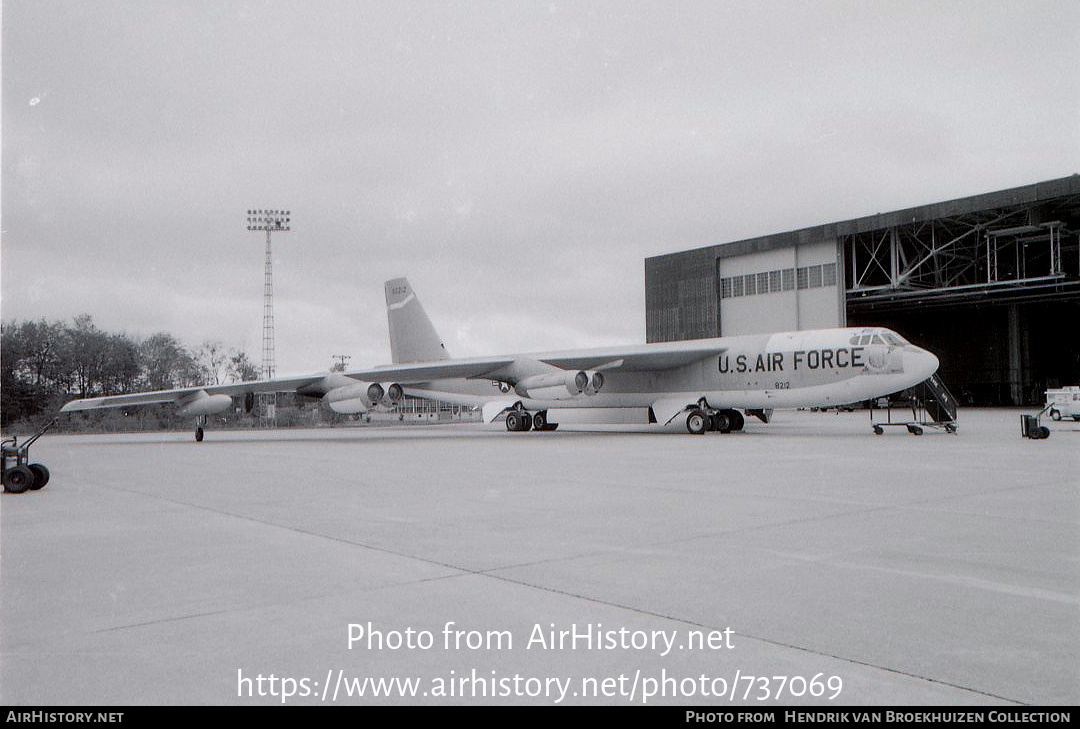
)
(298, 530)
(921, 505)
(545, 588)
(12, 648)
(171, 619)
(769, 641)
(488, 570)
(280, 603)
(1012, 517)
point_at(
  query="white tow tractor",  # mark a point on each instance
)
(1063, 402)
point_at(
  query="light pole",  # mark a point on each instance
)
(270, 221)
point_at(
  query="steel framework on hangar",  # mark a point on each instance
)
(1006, 261)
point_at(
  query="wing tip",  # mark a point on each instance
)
(85, 404)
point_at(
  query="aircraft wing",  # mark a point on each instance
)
(276, 384)
(657, 356)
(476, 368)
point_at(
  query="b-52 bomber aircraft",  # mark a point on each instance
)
(711, 383)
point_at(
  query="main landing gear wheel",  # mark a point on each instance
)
(518, 421)
(540, 422)
(198, 434)
(41, 475)
(720, 422)
(18, 479)
(697, 422)
(737, 420)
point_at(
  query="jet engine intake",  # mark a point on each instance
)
(596, 381)
(375, 392)
(394, 393)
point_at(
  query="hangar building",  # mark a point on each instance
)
(989, 283)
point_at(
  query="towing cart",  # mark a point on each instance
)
(18, 473)
(1031, 428)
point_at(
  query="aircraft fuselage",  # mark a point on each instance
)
(784, 370)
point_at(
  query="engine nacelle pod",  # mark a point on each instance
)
(199, 403)
(375, 392)
(596, 381)
(363, 396)
(552, 385)
(352, 399)
(394, 393)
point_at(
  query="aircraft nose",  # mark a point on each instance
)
(920, 362)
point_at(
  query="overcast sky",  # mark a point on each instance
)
(516, 160)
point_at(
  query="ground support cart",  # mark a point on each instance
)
(1030, 427)
(18, 473)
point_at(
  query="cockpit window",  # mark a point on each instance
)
(885, 336)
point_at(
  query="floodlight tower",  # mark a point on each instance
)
(270, 221)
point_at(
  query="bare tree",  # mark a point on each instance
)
(214, 360)
(86, 347)
(241, 368)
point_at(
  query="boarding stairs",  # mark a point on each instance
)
(931, 405)
(935, 397)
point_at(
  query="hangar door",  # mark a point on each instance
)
(778, 290)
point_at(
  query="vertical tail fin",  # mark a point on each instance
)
(412, 336)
